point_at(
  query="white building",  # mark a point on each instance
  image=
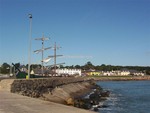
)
(68, 72)
(108, 73)
(116, 73)
(124, 73)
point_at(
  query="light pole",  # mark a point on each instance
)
(42, 55)
(29, 52)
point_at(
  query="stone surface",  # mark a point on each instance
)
(66, 94)
(14, 103)
(36, 87)
(58, 90)
(6, 84)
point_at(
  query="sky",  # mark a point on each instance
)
(111, 32)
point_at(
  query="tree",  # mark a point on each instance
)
(88, 66)
(17, 65)
(61, 66)
(5, 68)
(78, 67)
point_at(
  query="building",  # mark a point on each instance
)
(136, 73)
(121, 73)
(107, 73)
(69, 72)
(93, 73)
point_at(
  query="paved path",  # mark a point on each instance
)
(14, 103)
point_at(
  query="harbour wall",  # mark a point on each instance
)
(60, 90)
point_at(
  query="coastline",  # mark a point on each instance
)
(63, 93)
(66, 91)
(120, 78)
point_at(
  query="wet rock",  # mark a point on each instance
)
(105, 94)
(83, 103)
(103, 106)
(94, 96)
(95, 109)
(94, 99)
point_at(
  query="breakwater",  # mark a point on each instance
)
(60, 90)
(40, 85)
(67, 90)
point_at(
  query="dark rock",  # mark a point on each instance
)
(103, 106)
(105, 94)
(83, 103)
(95, 109)
(94, 96)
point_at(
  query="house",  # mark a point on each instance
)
(95, 73)
(136, 73)
(108, 73)
(69, 72)
(23, 68)
(124, 73)
(38, 71)
(121, 73)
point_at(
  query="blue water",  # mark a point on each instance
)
(127, 97)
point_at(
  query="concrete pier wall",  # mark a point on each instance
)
(38, 87)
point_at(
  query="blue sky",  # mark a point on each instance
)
(112, 32)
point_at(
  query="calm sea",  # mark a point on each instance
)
(127, 97)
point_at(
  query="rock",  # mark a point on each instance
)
(95, 109)
(105, 94)
(94, 96)
(70, 101)
(103, 106)
(36, 87)
(83, 103)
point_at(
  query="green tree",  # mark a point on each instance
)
(89, 65)
(78, 67)
(5, 68)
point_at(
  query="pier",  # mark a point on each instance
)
(16, 103)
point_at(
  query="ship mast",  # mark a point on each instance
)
(55, 56)
(42, 50)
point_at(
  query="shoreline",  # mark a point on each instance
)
(65, 91)
(70, 93)
(119, 78)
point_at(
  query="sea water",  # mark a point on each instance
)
(127, 97)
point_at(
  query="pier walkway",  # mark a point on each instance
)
(14, 103)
